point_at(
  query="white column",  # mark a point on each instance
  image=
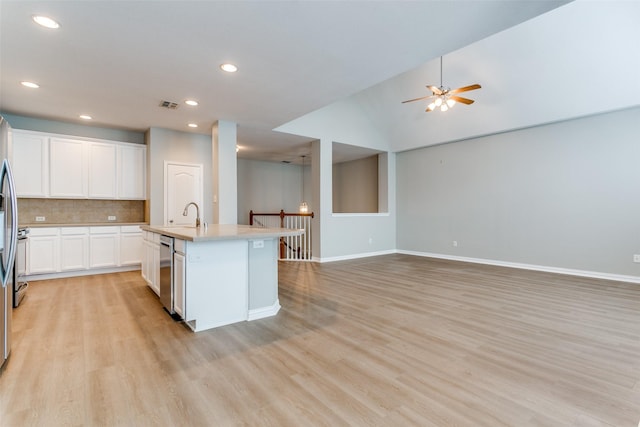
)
(322, 202)
(225, 175)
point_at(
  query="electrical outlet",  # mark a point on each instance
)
(258, 244)
(455, 243)
(40, 219)
(111, 218)
(636, 258)
(370, 240)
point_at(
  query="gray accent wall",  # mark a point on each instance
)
(263, 274)
(355, 186)
(66, 128)
(563, 195)
(268, 187)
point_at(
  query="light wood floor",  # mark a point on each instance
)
(386, 341)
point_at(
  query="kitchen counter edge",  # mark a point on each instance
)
(222, 232)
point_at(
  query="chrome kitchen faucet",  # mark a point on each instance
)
(186, 211)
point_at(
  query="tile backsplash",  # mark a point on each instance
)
(71, 211)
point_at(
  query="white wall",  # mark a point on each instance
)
(165, 144)
(565, 195)
(268, 187)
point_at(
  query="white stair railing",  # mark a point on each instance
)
(292, 248)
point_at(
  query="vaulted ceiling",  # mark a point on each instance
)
(117, 60)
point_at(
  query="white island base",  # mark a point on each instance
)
(217, 285)
(223, 277)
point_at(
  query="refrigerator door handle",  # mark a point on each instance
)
(12, 205)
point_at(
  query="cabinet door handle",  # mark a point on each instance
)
(170, 221)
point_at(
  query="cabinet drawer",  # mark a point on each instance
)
(70, 231)
(130, 229)
(104, 230)
(43, 231)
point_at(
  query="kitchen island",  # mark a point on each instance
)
(222, 274)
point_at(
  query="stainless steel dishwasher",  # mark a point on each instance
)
(166, 274)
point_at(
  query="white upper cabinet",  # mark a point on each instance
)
(63, 167)
(30, 164)
(68, 168)
(102, 171)
(132, 162)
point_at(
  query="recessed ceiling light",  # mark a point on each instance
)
(229, 68)
(192, 125)
(31, 85)
(45, 21)
(191, 102)
(85, 117)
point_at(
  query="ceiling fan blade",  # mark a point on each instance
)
(435, 90)
(466, 88)
(462, 100)
(417, 99)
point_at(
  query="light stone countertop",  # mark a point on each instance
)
(221, 232)
(88, 224)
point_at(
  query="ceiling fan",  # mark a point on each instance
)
(445, 98)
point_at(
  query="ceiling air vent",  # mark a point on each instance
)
(168, 104)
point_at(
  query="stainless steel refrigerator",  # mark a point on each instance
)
(8, 240)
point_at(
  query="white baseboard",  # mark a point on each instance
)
(261, 313)
(558, 270)
(355, 256)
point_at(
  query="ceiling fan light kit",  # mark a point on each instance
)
(445, 98)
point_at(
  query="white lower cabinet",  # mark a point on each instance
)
(104, 243)
(43, 248)
(179, 283)
(155, 284)
(145, 262)
(68, 249)
(151, 260)
(74, 248)
(130, 245)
